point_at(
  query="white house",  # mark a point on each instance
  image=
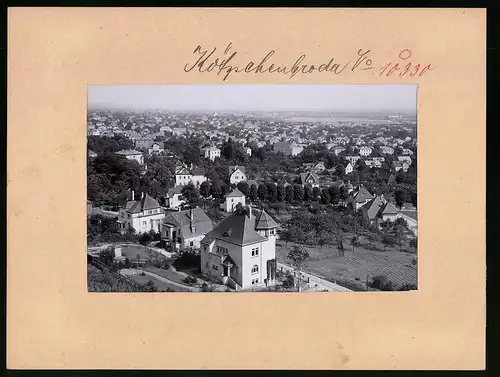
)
(406, 159)
(143, 215)
(349, 168)
(173, 197)
(211, 153)
(184, 229)
(241, 250)
(132, 155)
(352, 159)
(237, 174)
(309, 179)
(248, 151)
(233, 198)
(184, 175)
(386, 150)
(365, 151)
(92, 154)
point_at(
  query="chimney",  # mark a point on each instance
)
(250, 212)
(142, 195)
(133, 195)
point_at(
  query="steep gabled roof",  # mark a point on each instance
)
(361, 194)
(373, 207)
(389, 209)
(192, 223)
(128, 152)
(232, 169)
(238, 228)
(235, 194)
(174, 190)
(198, 171)
(265, 221)
(146, 203)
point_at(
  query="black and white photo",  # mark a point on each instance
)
(252, 188)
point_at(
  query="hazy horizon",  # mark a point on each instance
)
(256, 97)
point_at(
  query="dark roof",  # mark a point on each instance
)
(233, 168)
(128, 152)
(265, 221)
(198, 171)
(305, 176)
(410, 213)
(235, 193)
(174, 190)
(228, 260)
(389, 209)
(238, 228)
(146, 203)
(361, 194)
(182, 219)
(373, 207)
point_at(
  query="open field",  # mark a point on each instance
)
(356, 266)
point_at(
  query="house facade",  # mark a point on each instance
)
(232, 200)
(241, 250)
(311, 179)
(173, 198)
(185, 229)
(142, 215)
(365, 151)
(211, 153)
(132, 155)
(237, 174)
(184, 175)
(349, 168)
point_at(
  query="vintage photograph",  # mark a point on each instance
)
(252, 188)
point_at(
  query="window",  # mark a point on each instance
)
(191, 243)
(255, 269)
(255, 252)
(143, 223)
(255, 281)
(214, 267)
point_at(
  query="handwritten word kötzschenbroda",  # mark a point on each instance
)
(224, 65)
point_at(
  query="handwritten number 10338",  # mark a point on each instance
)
(406, 67)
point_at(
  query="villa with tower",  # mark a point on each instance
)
(241, 251)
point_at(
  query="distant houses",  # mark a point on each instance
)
(288, 149)
(133, 155)
(150, 146)
(92, 154)
(210, 152)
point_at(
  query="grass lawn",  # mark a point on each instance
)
(358, 265)
(166, 273)
(131, 251)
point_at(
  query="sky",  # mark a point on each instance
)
(253, 97)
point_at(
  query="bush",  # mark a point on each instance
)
(408, 287)
(206, 288)
(145, 239)
(288, 282)
(190, 280)
(382, 282)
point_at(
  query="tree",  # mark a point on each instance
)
(334, 194)
(191, 195)
(254, 193)
(289, 194)
(205, 189)
(387, 240)
(298, 256)
(298, 192)
(272, 192)
(414, 243)
(325, 196)
(280, 193)
(400, 235)
(262, 192)
(228, 149)
(244, 188)
(371, 238)
(316, 192)
(354, 242)
(261, 154)
(216, 189)
(107, 255)
(307, 193)
(399, 197)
